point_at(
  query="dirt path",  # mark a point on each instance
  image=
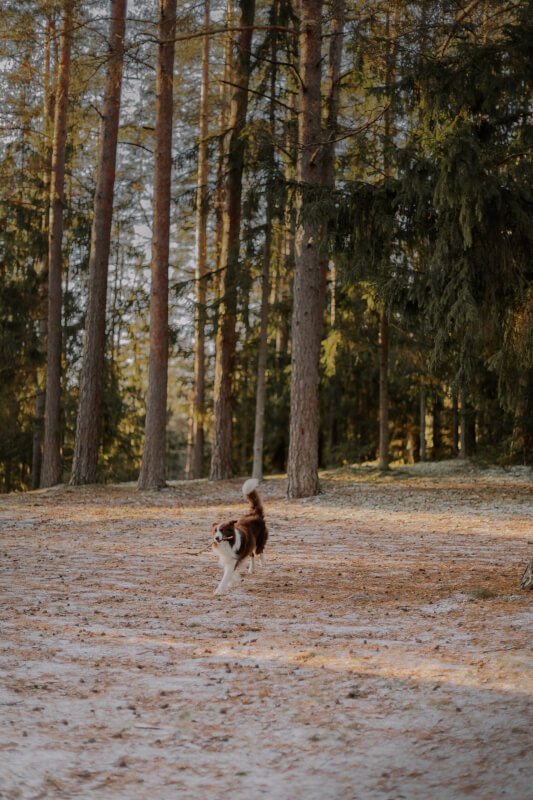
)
(384, 653)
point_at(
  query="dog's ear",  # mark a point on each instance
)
(214, 527)
(232, 522)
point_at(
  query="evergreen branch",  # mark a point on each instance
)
(458, 20)
(259, 94)
(349, 133)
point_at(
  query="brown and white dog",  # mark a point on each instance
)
(242, 538)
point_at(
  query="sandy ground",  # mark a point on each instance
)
(383, 653)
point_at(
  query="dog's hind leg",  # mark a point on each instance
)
(262, 559)
(251, 564)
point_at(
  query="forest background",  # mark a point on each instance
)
(314, 248)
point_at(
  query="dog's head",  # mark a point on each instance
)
(223, 532)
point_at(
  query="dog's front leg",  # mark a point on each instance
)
(227, 579)
(251, 565)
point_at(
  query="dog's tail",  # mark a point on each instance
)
(249, 490)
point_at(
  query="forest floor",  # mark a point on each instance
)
(384, 652)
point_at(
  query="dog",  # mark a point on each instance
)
(242, 538)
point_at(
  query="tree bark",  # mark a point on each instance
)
(195, 454)
(51, 465)
(85, 463)
(221, 466)
(40, 393)
(455, 425)
(336, 40)
(260, 398)
(437, 426)
(423, 451)
(383, 389)
(464, 435)
(384, 331)
(309, 277)
(152, 474)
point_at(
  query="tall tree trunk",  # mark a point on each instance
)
(464, 425)
(383, 389)
(195, 453)
(437, 425)
(51, 466)
(455, 424)
(85, 463)
(224, 100)
(519, 435)
(229, 257)
(260, 397)
(309, 277)
(40, 394)
(423, 451)
(384, 328)
(328, 166)
(152, 475)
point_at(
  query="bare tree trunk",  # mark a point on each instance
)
(464, 435)
(221, 466)
(260, 398)
(224, 98)
(519, 434)
(309, 277)
(423, 452)
(437, 425)
(455, 425)
(195, 454)
(328, 167)
(152, 475)
(383, 389)
(40, 394)
(384, 328)
(51, 466)
(85, 463)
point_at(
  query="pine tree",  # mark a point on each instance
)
(195, 454)
(51, 466)
(152, 474)
(85, 464)
(309, 277)
(221, 466)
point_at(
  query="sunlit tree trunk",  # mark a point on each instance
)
(260, 397)
(195, 453)
(221, 466)
(328, 166)
(40, 394)
(309, 277)
(224, 101)
(51, 466)
(85, 463)
(152, 475)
